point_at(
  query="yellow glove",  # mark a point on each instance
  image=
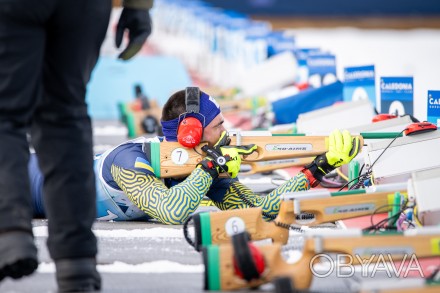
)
(232, 155)
(342, 148)
(224, 158)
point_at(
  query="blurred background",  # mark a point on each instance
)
(260, 52)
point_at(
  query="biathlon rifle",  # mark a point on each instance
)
(170, 159)
(318, 206)
(243, 265)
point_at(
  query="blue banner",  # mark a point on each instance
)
(301, 55)
(278, 42)
(321, 64)
(397, 94)
(288, 109)
(359, 83)
(434, 107)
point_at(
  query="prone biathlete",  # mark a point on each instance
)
(127, 188)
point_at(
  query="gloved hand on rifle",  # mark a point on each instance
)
(135, 17)
(342, 148)
(224, 158)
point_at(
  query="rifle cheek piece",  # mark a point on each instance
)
(317, 169)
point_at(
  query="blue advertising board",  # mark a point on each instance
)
(359, 83)
(397, 94)
(434, 107)
(321, 69)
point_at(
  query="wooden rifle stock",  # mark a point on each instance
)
(339, 207)
(170, 159)
(218, 227)
(221, 275)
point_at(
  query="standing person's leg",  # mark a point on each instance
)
(62, 137)
(21, 54)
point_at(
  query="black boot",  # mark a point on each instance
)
(77, 275)
(18, 254)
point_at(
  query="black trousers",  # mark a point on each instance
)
(48, 49)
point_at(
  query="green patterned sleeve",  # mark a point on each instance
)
(168, 205)
(240, 196)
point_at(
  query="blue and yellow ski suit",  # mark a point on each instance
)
(127, 188)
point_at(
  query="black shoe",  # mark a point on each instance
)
(18, 254)
(77, 275)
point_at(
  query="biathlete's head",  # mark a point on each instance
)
(179, 124)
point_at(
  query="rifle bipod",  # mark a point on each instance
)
(242, 264)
